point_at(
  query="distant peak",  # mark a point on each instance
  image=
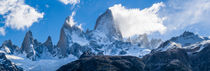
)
(187, 33)
(7, 42)
(49, 39)
(29, 33)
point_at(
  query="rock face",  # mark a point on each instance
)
(28, 46)
(106, 26)
(105, 63)
(6, 65)
(8, 47)
(70, 35)
(50, 47)
(171, 60)
(200, 60)
(35, 49)
(87, 54)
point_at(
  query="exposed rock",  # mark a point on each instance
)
(8, 47)
(35, 49)
(28, 46)
(6, 65)
(68, 34)
(48, 43)
(170, 60)
(105, 25)
(200, 61)
(87, 54)
(105, 63)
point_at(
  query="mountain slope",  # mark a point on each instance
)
(7, 65)
(187, 40)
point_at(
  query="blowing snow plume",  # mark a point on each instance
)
(137, 22)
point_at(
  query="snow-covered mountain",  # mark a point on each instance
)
(35, 50)
(104, 39)
(187, 40)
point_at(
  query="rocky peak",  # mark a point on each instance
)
(8, 47)
(187, 33)
(28, 45)
(105, 24)
(7, 43)
(27, 42)
(69, 34)
(187, 38)
(48, 42)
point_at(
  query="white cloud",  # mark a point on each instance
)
(70, 19)
(2, 31)
(181, 14)
(18, 15)
(137, 22)
(72, 2)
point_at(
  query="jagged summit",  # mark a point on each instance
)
(28, 42)
(187, 38)
(8, 47)
(105, 24)
(187, 33)
(48, 42)
(70, 34)
(28, 46)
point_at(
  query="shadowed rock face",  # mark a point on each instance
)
(201, 60)
(105, 63)
(171, 60)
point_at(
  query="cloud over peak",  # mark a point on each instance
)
(137, 22)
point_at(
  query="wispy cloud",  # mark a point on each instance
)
(18, 15)
(2, 31)
(72, 2)
(184, 13)
(70, 20)
(137, 22)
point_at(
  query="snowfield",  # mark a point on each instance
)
(40, 65)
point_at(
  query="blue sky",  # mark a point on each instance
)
(87, 11)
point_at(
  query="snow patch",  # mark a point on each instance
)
(40, 65)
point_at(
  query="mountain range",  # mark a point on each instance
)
(105, 40)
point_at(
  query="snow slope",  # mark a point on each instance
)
(40, 65)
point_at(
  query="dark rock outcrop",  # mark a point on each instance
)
(171, 60)
(87, 54)
(105, 63)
